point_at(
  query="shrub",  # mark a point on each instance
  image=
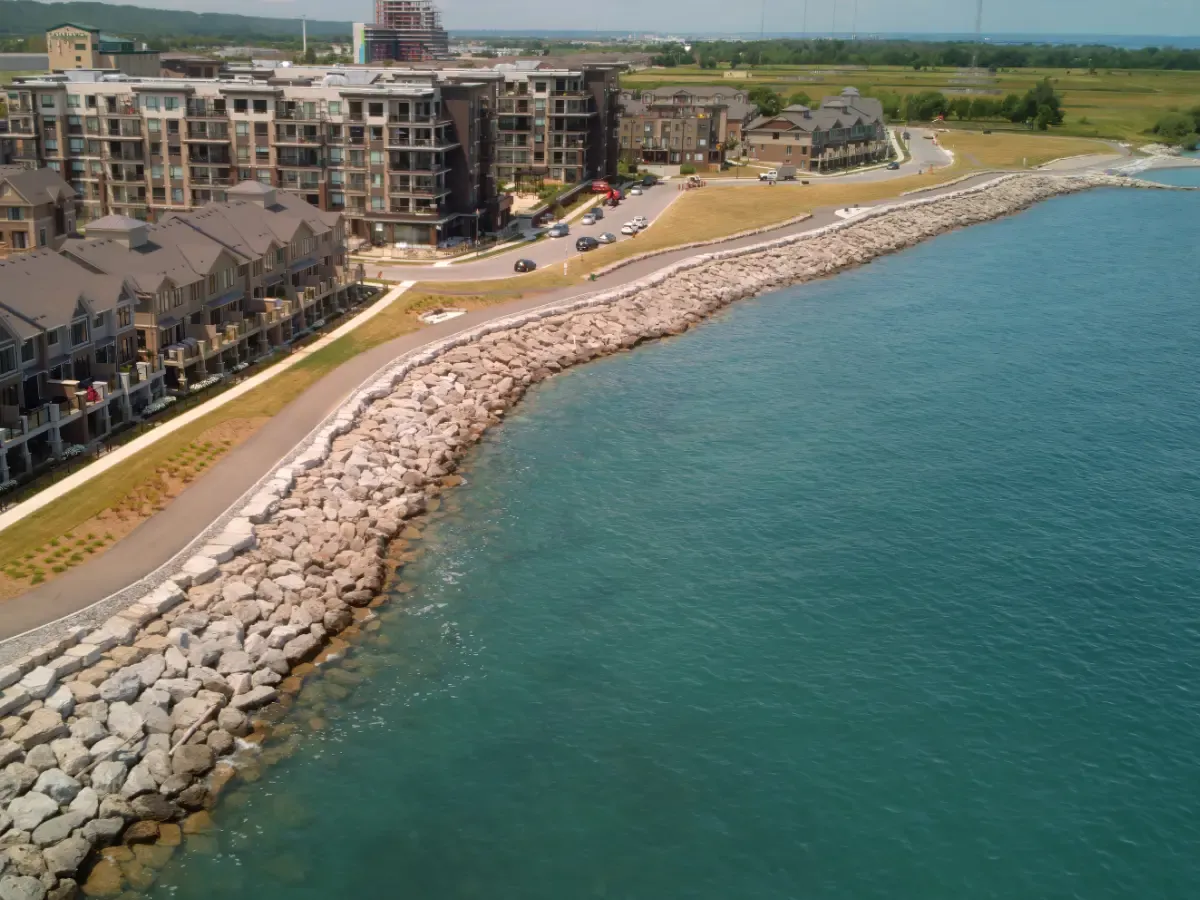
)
(687, 169)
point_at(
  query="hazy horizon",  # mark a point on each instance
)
(1165, 18)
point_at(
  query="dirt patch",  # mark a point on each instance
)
(95, 535)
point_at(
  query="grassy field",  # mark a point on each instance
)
(1119, 104)
(711, 212)
(1015, 151)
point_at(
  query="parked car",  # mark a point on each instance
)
(640, 221)
(629, 228)
(597, 213)
(562, 229)
(893, 165)
(524, 265)
(588, 219)
(586, 243)
(635, 191)
(607, 238)
(649, 180)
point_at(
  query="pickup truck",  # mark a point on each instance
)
(783, 173)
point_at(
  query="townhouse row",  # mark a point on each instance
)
(412, 156)
(95, 332)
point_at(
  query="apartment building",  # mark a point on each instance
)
(844, 131)
(70, 370)
(72, 46)
(557, 124)
(37, 209)
(688, 124)
(222, 286)
(406, 156)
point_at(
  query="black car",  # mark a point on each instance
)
(586, 243)
(525, 265)
(649, 180)
(893, 165)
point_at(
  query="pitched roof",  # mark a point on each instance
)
(36, 186)
(249, 228)
(173, 254)
(78, 25)
(42, 291)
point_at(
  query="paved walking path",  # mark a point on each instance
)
(162, 536)
(118, 456)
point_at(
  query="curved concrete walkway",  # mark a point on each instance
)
(162, 536)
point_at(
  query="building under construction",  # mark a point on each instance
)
(403, 31)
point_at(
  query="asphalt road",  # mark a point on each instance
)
(159, 538)
(651, 204)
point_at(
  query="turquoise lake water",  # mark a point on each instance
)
(880, 587)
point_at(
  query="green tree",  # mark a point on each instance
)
(961, 107)
(925, 106)
(799, 99)
(310, 55)
(769, 102)
(1173, 127)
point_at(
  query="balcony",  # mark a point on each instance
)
(21, 128)
(299, 114)
(201, 110)
(397, 140)
(122, 109)
(417, 187)
(203, 178)
(211, 132)
(124, 131)
(305, 138)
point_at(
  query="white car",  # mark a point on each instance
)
(640, 222)
(588, 219)
(629, 228)
(635, 192)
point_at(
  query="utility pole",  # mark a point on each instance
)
(854, 22)
(762, 21)
(304, 34)
(978, 32)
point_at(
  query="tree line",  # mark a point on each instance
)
(924, 54)
(1040, 107)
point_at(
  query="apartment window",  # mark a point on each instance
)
(170, 103)
(260, 106)
(52, 337)
(47, 101)
(106, 355)
(241, 129)
(374, 109)
(150, 102)
(337, 199)
(90, 101)
(19, 240)
(55, 165)
(262, 152)
(98, 322)
(8, 359)
(154, 126)
(539, 87)
(79, 333)
(81, 46)
(75, 145)
(243, 153)
(376, 133)
(124, 316)
(260, 129)
(377, 203)
(336, 156)
(264, 176)
(156, 171)
(15, 214)
(177, 195)
(241, 106)
(176, 173)
(337, 177)
(28, 351)
(280, 256)
(51, 144)
(377, 157)
(245, 174)
(73, 101)
(335, 107)
(774, 135)
(702, 142)
(42, 242)
(539, 123)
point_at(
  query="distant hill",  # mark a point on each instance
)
(27, 17)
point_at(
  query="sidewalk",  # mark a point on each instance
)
(116, 457)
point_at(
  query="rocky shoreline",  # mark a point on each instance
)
(117, 736)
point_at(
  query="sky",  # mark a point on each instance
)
(1158, 17)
